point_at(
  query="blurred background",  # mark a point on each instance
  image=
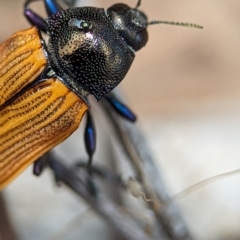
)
(184, 87)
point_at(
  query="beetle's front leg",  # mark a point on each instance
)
(34, 18)
(52, 7)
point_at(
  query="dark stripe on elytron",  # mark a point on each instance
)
(13, 78)
(26, 124)
(22, 162)
(26, 137)
(9, 165)
(25, 68)
(25, 83)
(15, 40)
(33, 138)
(19, 114)
(10, 161)
(29, 93)
(14, 94)
(20, 96)
(12, 108)
(15, 99)
(19, 162)
(13, 63)
(30, 108)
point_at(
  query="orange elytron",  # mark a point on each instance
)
(40, 118)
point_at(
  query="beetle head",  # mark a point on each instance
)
(131, 25)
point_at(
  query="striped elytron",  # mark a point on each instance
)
(44, 86)
(42, 116)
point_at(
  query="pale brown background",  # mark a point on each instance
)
(185, 88)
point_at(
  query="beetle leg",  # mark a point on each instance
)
(103, 173)
(40, 164)
(52, 7)
(121, 108)
(34, 18)
(90, 138)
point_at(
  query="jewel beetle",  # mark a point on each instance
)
(44, 84)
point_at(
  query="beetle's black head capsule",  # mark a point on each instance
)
(131, 25)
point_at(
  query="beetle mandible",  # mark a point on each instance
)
(44, 85)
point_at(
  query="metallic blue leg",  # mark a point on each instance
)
(121, 108)
(34, 18)
(90, 144)
(90, 138)
(52, 7)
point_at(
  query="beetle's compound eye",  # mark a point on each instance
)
(141, 39)
(80, 24)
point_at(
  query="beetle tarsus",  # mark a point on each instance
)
(92, 187)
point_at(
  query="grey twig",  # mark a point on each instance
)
(136, 148)
(120, 222)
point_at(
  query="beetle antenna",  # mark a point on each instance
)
(138, 4)
(190, 25)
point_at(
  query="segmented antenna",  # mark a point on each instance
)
(190, 25)
(138, 4)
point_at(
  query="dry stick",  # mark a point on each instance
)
(102, 205)
(136, 148)
(73, 224)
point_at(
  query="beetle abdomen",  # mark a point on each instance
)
(21, 62)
